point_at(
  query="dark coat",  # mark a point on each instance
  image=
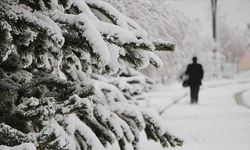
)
(195, 74)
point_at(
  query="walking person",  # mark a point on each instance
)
(195, 73)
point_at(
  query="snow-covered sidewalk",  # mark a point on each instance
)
(216, 123)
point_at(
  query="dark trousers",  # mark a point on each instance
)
(194, 93)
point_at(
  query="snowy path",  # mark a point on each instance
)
(217, 123)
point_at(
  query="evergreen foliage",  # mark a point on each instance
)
(68, 78)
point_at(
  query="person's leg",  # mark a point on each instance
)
(192, 94)
(196, 93)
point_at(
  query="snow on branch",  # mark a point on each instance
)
(122, 37)
(117, 18)
(87, 31)
(155, 130)
(76, 127)
(112, 13)
(10, 136)
(129, 111)
(24, 146)
(155, 60)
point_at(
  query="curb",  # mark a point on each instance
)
(239, 99)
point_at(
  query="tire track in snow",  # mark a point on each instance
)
(173, 103)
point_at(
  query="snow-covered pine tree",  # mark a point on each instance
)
(68, 79)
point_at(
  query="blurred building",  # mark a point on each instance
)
(245, 60)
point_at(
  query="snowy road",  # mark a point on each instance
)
(217, 123)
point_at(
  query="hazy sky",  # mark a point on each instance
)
(237, 11)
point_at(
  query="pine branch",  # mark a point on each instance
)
(163, 46)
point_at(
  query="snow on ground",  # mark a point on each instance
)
(216, 123)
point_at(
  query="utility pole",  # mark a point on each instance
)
(214, 12)
(214, 32)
